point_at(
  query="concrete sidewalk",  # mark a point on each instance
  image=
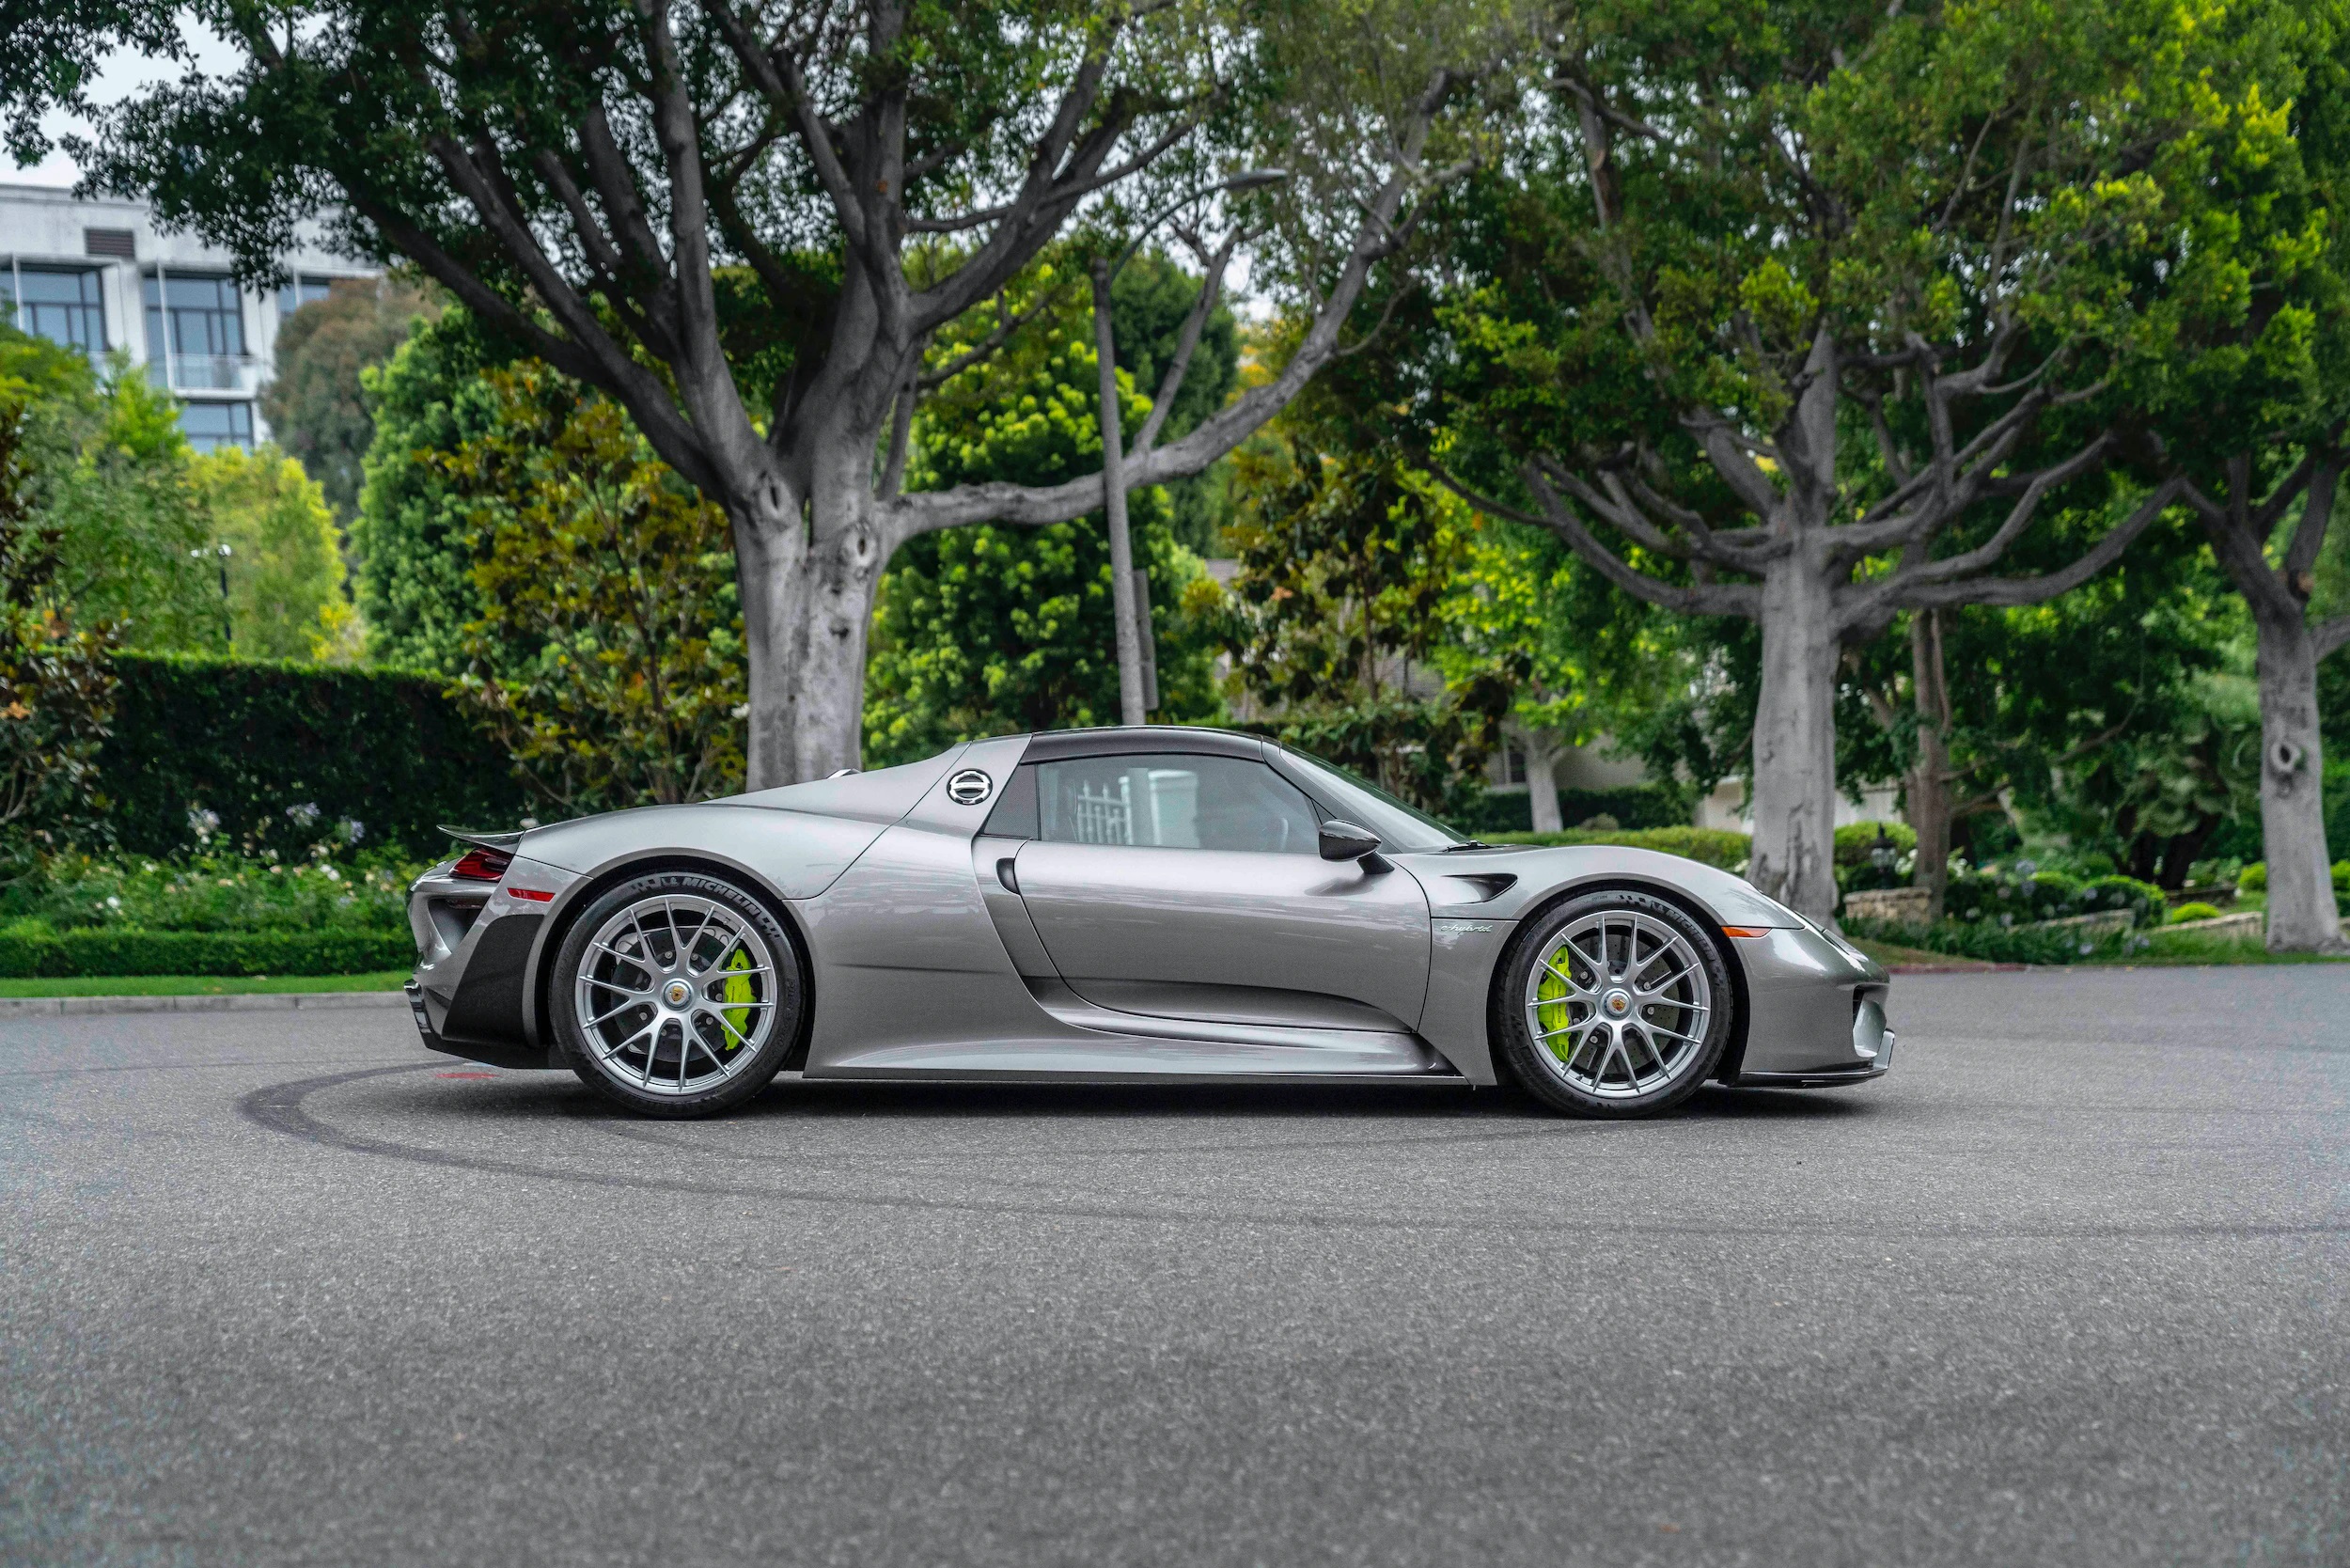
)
(265, 1001)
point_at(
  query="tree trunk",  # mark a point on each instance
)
(1793, 858)
(771, 576)
(806, 586)
(1928, 786)
(2301, 916)
(1542, 782)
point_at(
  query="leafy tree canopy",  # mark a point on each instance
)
(285, 594)
(996, 630)
(316, 404)
(607, 649)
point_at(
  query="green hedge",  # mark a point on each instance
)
(27, 954)
(1633, 805)
(258, 744)
(1992, 943)
(1713, 845)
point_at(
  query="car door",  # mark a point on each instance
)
(1190, 886)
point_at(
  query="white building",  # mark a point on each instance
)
(98, 277)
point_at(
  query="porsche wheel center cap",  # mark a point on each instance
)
(1618, 1003)
(676, 992)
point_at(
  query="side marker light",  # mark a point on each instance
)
(533, 894)
(1746, 931)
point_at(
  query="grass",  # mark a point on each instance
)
(200, 986)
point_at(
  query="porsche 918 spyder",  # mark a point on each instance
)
(1120, 905)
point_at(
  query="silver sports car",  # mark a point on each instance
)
(1119, 905)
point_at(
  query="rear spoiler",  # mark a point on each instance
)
(502, 844)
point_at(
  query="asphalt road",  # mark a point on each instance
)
(2071, 1286)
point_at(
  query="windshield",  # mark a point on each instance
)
(1400, 827)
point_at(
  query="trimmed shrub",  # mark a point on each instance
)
(2255, 879)
(2008, 902)
(1713, 845)
(31, 950)
(2186, 912)
(288, 756)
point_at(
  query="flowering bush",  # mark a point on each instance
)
(2023, 895)
(215, 892)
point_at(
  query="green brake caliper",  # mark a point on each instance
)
(1553, 1013)
(739, 991)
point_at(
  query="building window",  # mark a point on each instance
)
(61, 304)
(209, 426)
(304, 288)
(194, 332)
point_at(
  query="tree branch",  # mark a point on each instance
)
(1220, 432)
(1699, 598)
(1187, 343)
(2241, 555)
(2010, 592)
(1006, 324)
(2320, 476)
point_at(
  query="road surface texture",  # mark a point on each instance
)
(2071, 1286)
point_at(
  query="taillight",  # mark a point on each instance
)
(481, 865)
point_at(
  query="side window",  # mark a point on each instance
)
(1174, 801)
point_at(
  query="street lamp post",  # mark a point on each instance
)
(1124, 602)
(227, 627)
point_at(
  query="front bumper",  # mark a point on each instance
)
(1815, 1013)
(476, 944)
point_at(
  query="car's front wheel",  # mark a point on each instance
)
(676, 994)
(1615, 1004)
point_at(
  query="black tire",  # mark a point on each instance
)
(723, 1031)
(1641, 1061)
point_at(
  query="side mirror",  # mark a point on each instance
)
(1343, 840)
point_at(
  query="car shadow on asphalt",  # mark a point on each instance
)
(536, 1094)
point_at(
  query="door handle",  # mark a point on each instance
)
(1005, 875)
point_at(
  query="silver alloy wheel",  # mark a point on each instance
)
(676, 994)
(1617, 1006)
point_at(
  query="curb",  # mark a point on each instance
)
(283, 1001)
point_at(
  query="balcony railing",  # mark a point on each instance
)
(203, 372)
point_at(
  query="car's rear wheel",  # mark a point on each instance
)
(1615, 1004)
(676, 994)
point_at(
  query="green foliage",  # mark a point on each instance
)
(56, 694)
(362, 891)
(218, 753)
(316, 403)
(1632, 805)
(286, 597)
(2195, 911)
(135, 542)
(989, 631)
(608, 655)
(416, 587)
(1350, 558)
(1716, 847)
(29, 948)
